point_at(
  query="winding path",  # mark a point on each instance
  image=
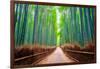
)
(57, 56)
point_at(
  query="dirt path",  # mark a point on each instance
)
(57, 56)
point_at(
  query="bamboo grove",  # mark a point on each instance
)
(53, 25)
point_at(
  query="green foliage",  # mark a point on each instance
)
(53, 25)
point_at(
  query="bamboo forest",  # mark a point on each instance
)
(52, 29)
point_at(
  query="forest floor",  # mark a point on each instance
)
(67, 54)
(57, 56)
